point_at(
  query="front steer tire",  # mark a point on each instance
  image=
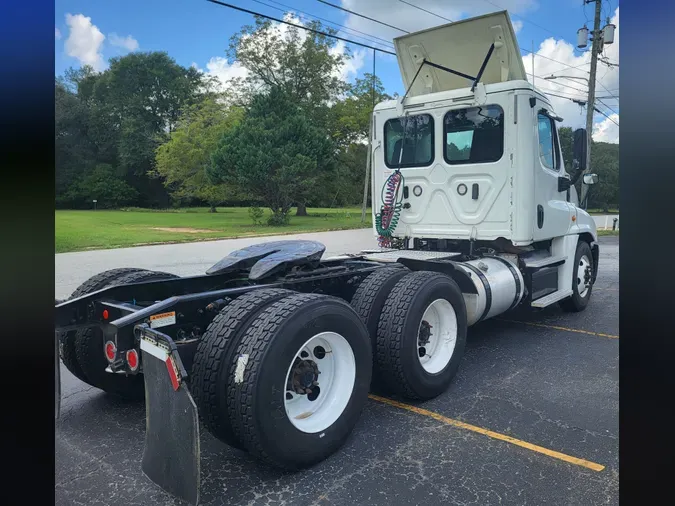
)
(576, 303)
(216, 353)
(258, 380)
(67, 339)
(399, 329)
(90, 355)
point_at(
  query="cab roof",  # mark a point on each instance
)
(463, 95)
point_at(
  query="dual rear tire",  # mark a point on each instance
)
(417, 324)
(283, 375)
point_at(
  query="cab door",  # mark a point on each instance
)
(553, 214)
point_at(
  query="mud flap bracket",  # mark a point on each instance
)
(171, 455)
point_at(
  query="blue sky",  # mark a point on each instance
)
(197, 32)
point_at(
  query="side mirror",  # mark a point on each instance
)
(591, 178)
(579, 150)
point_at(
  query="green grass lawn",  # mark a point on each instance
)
(600, 211)
(81, 230)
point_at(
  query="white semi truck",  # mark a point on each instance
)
(275, 348)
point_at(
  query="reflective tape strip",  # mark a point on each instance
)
(154, 350)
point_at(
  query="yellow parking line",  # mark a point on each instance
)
(524, 444)
(556, 327)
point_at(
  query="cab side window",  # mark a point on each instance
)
(548, 142)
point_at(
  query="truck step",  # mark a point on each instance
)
(551, 298)
(545, 262)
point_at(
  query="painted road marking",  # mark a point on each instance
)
(496, 435)
(556, 327)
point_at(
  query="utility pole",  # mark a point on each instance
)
(532, 53)
(590, 104)
(370, 148)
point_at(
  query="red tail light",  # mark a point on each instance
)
(110, 351)
(132, 359)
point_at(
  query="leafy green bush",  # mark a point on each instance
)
(256, 214)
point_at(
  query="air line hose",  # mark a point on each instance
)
(390, 211)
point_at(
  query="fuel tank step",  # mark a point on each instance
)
(551, 298)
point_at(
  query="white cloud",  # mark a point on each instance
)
(84, 41)
(517, 25)
(128, 42)
(222, 69)
(351, 67)
(411, 19)
(57, 33)
(606, 130)
(577, 66)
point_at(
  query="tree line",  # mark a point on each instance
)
(149, 132)
(604, 162)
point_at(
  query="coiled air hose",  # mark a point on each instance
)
(390, 211)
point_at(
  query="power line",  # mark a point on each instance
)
(363, 16)
(606, 116)
(319, 32)
(608, 107)
(583, 103)
(422, 9)
(327, 21)
(603, 86)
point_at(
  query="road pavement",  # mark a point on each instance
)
(531, 417)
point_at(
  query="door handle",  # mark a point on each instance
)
(474, 191)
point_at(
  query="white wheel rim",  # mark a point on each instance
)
(336, 378)
(582, 286)
(435, 354)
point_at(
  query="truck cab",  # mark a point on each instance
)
(477, 152)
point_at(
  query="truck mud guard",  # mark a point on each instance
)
(171, 455)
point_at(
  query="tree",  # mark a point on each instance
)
(103, 184)
(305, 65)
(351, 115)
(182, 161)
(73, 150)
(275, 153)
(127, 112)
(604, 163)
(566, 136)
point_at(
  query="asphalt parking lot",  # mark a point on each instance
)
(531, 418)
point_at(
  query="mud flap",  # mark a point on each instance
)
(171, 455)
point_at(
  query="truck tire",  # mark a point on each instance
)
(581, 294)
(418, 360)
(67, 339)
(368, 301)
(215, 354)
(89, 349)
(292, 349)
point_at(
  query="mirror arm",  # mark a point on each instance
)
(576, 176)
